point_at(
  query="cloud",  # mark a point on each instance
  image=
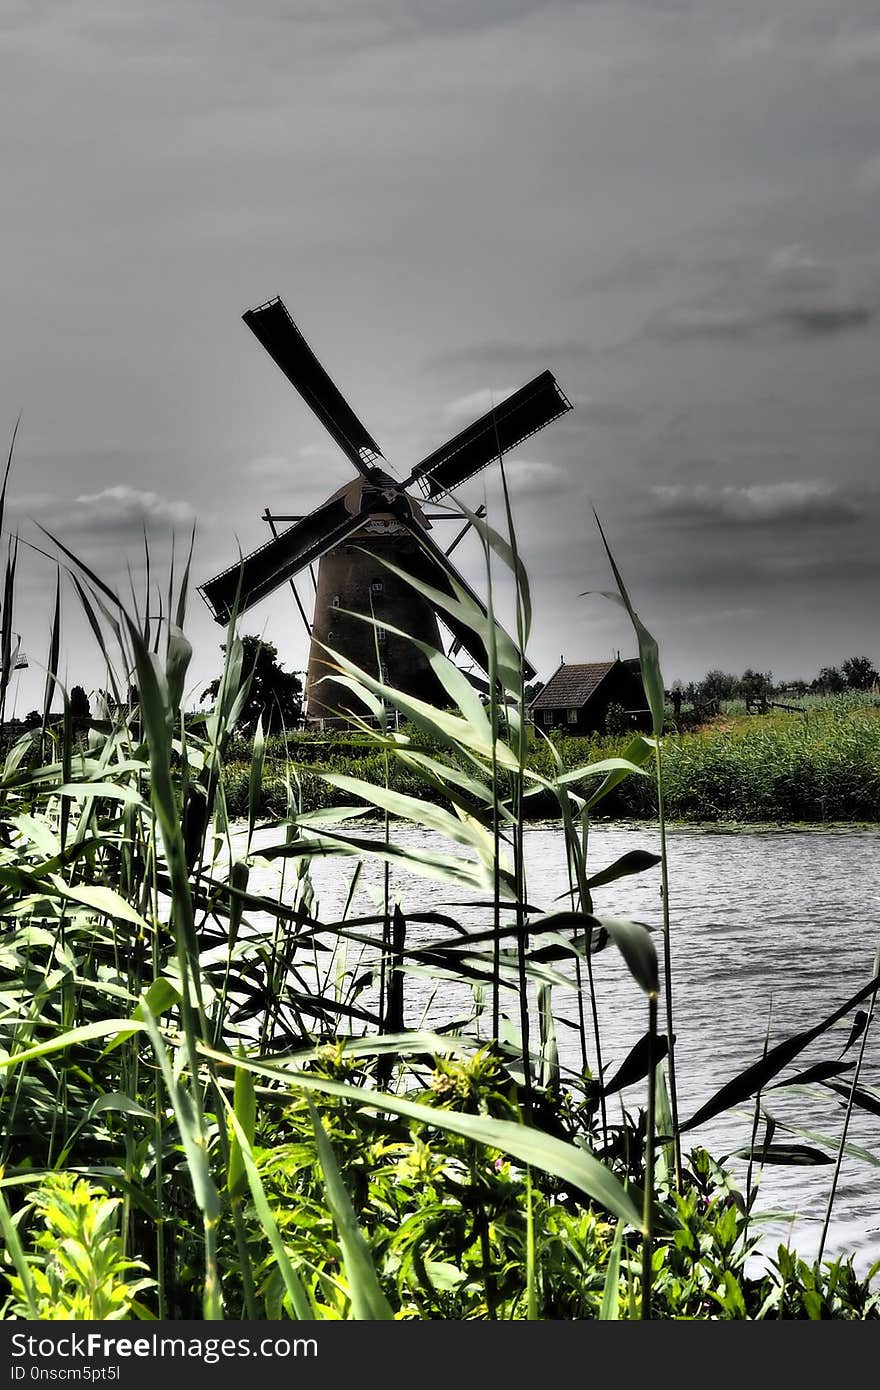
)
(471, 407)
(826, 320)
(269, 466)
(792, 269)
(122, 509)
(856, 51)
(700, 321)
(532, 357)
(815, 501)
(790, 291)
(531, 477)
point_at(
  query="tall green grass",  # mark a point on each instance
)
(234, 1070)
(816, 768)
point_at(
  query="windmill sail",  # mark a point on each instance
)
(372, 523)
(279, 559)
(279, 335)
(518, 417)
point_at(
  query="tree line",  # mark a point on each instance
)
(856, 673)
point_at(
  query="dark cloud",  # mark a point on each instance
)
(791, 291)
(826, 320)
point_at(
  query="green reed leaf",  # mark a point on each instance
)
(756, 1076)
(635, 944)
(609, 1310)
(368, 1302)
(299, 1299)
(245, 1109)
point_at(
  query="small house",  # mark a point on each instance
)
(577, 698)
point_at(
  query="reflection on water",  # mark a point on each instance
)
(770, 932)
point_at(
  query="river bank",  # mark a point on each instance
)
(818, 767)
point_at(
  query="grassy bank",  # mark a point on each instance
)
(818, 765)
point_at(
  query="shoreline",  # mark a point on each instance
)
(629, 823)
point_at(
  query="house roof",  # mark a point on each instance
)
(572, 685)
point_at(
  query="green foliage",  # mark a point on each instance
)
(77, 1266)
(445, 1220)
(860, 673)
(821, 765)
(274, 695)
(616, 721)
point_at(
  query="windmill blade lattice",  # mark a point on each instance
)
(501, 429)
(276, 330)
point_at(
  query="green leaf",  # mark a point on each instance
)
(191, 1136)
(104, 900)
(649, 652)
(461, 830)
(646, 1053)
(801, 1155)
(107, 1027)
(299, 1300)
(177, 658)
(635, 862)
(610, 1309)
(161, 996)
(117, 1101)
(635, 944)
(245, 1108)
(368, 1302)
(255, 777)
(755, 1077)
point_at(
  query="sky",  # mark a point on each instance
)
(673, 206)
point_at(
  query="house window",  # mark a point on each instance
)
(572, 716)
(548, 718)
(376, 586)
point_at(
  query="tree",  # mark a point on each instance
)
(830, 681)
(716, 685)
(274, 694)
(79, 703)
(755, 687)
(859, 672)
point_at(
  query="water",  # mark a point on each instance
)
(771, 931)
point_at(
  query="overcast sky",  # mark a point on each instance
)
(674, 206)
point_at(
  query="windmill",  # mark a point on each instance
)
(372, 518)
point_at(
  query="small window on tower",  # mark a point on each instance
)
(376, 586)
(335, 600)
(381, 634)
(331, 635)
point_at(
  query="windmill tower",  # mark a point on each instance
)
(372, 518)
